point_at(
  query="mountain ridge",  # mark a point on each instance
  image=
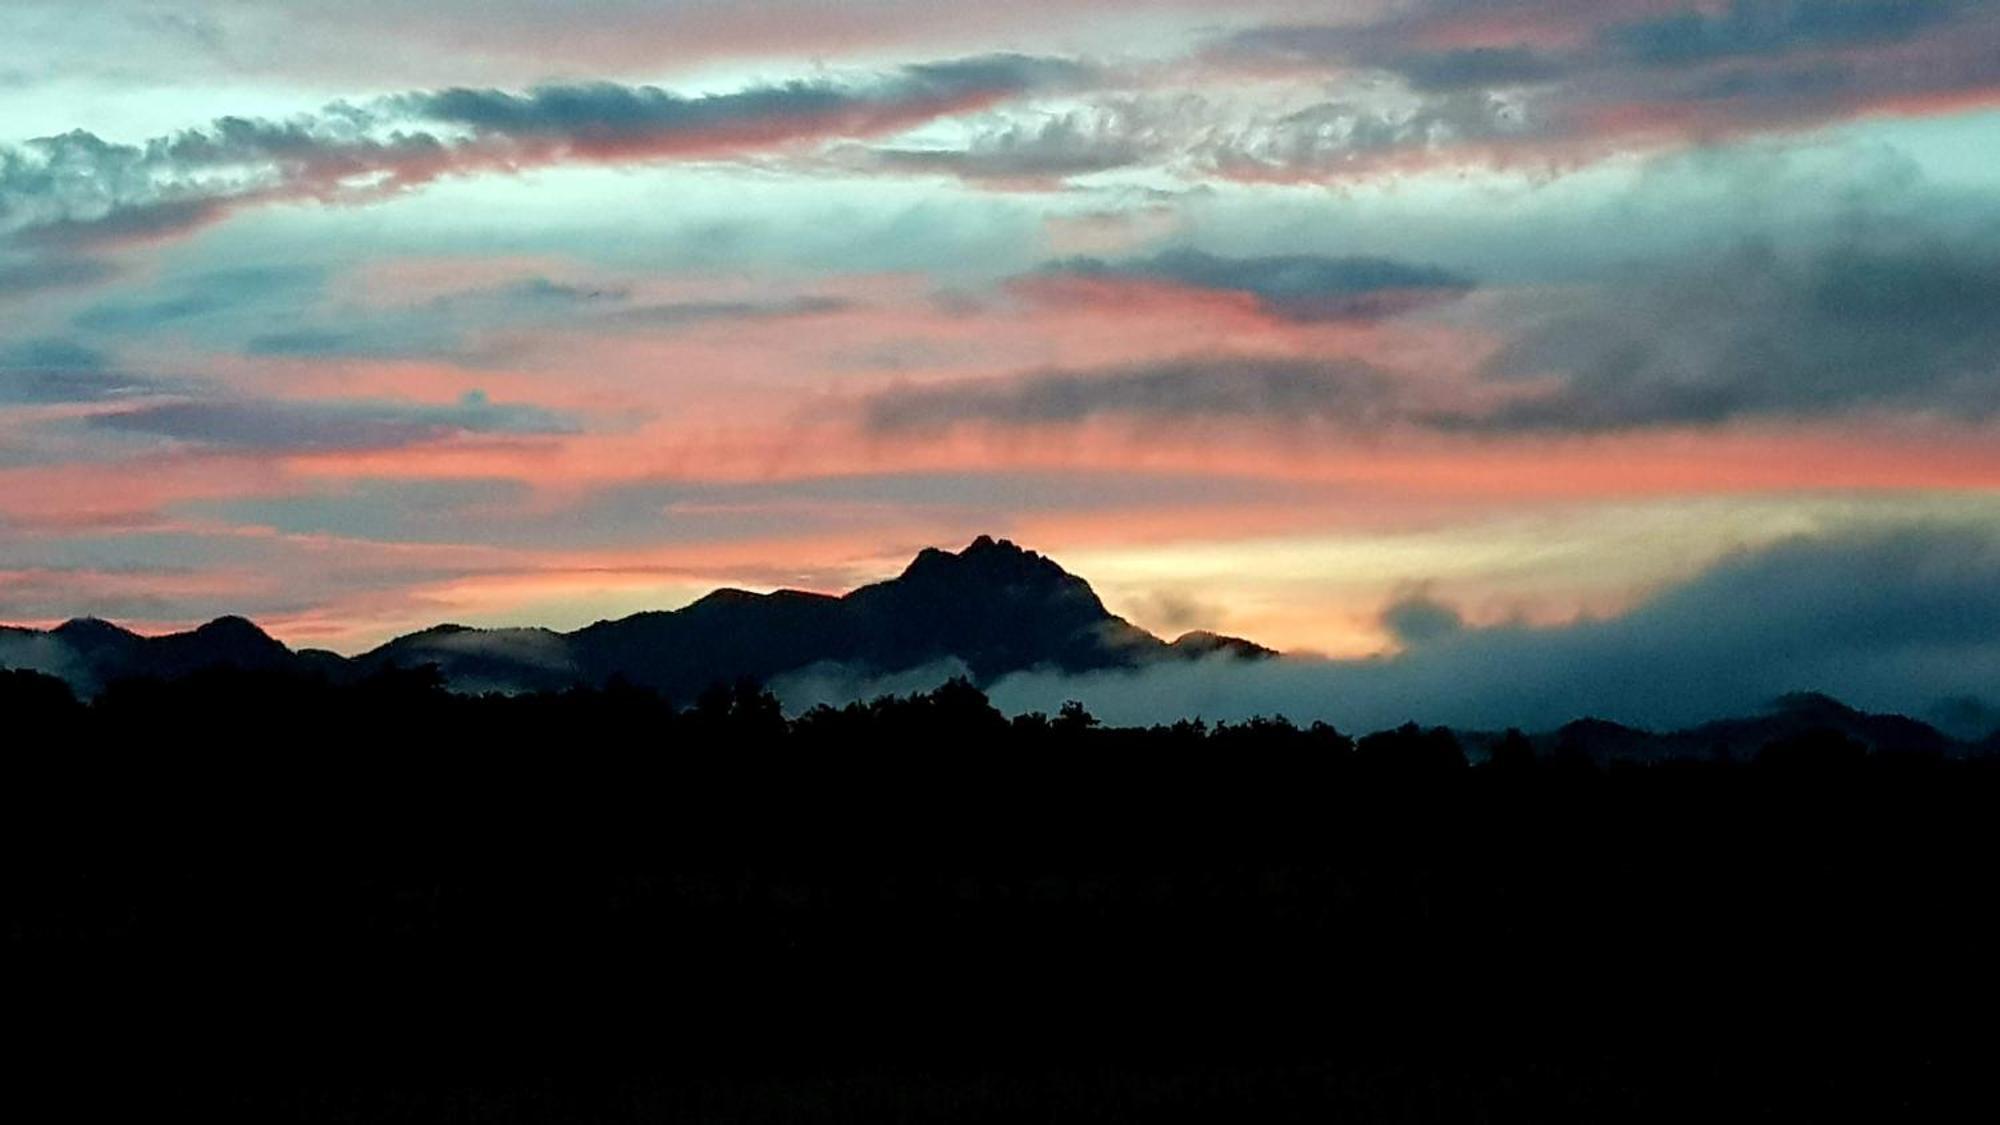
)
(994, 606)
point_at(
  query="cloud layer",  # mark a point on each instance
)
(1904, 621)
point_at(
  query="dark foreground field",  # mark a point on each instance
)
(262, 900)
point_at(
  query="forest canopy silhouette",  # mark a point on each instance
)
(386, 900)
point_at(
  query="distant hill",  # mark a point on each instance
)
(91, 653)
(994, 607)
(1795, 716)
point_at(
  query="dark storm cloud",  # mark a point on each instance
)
(49, 371)
(1902, 326)
(1175, 390)
(1299, 287)
(1888, 619)
(269, 424)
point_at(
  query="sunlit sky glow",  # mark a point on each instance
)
(355, 318)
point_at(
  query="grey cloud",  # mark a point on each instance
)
(35, 275)
(609, 117)
(1300, 287)
(41, 652)
(78, 191)
(450, 326)
(542, 289)
(1751, 65)
(1895, 325)
(1176, 612)
(213, 294)
(1762, 28)
(837, 684)
(124, 224)
(1629, 32)
(607, 121)
(403, 338)
(1026, 153)
(1877, 323)
(1479, 68)
(1421, 619)
(677, 313)
(59, 371)
(1178, 390)
(300, 425)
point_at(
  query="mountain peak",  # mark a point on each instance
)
(233, 628)
(986, 558)
(1201, 643)
(91, 627)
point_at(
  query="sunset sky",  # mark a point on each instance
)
(1271, 318)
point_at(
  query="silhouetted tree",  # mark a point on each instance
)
(1410, 750)
(1073, 718)
(1821, 751)
(1512, 754)
(29, 699)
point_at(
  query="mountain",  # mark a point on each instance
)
(993, 607)
(92, 653)
(1793, 717)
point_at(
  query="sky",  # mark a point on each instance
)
(1272, 318)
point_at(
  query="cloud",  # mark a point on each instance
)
(1479, 68)
(1745, 28)
(207, 302)
(608, 121)
(676, 313)
(1420, 619)
(77, 191)
(1350, 138)
(1869, 323)
(452, 325)
(1298, 287)
(1555, 83)
(1897, 619)
(58, 371)
(39, 274)
(837, 684)
(1042, 153)
(1873, 324)
(1352, 394)
(271, 424)
(49, 655)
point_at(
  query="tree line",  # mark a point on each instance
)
(282, 899)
